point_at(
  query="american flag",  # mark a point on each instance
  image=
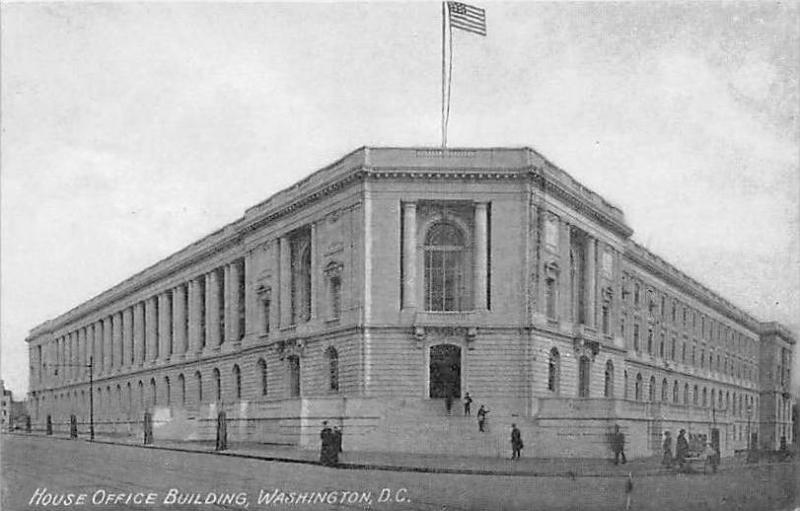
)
(466, 17)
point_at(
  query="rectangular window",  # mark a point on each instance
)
(550, 297)
(636, 346)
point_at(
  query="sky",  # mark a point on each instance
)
(129, 130)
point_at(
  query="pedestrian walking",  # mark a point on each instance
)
(516, 442)
(667, 448)
(482, 411)
(681, 449)
(618, 446)
(467, 404)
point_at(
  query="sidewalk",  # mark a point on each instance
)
(406, 462)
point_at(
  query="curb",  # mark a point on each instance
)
(405, 468)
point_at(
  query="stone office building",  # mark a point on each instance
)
(378, 286)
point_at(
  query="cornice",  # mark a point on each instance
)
(650, 262)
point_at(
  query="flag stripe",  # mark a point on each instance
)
(468, 18)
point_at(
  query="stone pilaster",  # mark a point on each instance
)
(127, 337)
(212, 310)
(108, 348)
(315, 287)
(164, 327)
(590, 281)
(195, 332)
(409, 255)
(179, 334)
(564, 280)
(138, 334)
(481, 256)
(250, 298)
(285, 283)
(233, 299)
(151, 330)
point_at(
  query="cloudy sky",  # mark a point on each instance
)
(130, 130)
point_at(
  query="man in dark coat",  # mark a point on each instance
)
(467, 403)
(482, 418)
(681, 448)
(516, 442)
(329, 455)
(618, 446)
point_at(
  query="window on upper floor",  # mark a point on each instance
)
(636, 292)
(445, 261)
(553, 371)
(333, 274)
(300, 254)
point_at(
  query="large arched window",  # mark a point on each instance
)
(332, 356)
(217, 384)
(198, 378)
(444, 268)
(651, 394)
(608, 389)
(686, 393)
(153, 392)
(638, 389)
(182, 389)
(664, 390)
(237, 381)
(705, 397)
(675, 392)
(167, 392)
(625, 385)
(262, 373)
(584, 372)
(553, 371)
(695, 395)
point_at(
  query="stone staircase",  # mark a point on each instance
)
(424, 427)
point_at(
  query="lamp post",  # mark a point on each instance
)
(89, 366)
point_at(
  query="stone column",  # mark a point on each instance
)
(285, 282)
(565, 283)
(314, 273)
(226, 304)
(151, 329)
(127, 337)
(409, 255)
(138, 334)
(107, 346)
(117, 339)
(68, 367)
(179, 321)
(212, 310)
(195, 344)
(590, 292)
(481, 255)
(99, 345)
(250, 310)
(82, 358)
(164, 327)
(233, 299)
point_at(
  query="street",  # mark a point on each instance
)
(39, 472)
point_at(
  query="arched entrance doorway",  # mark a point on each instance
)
(445, 371)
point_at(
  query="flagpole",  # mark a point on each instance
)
(444, 126)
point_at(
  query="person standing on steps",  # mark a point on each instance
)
(467, 403)
(516, 442)
(482, 411)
